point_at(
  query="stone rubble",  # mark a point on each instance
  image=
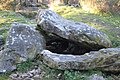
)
(34, 74)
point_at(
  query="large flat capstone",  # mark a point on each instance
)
(104, 59)
(77, 34)
(25, 40)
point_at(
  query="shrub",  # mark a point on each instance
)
(101, 5)
(7, 4)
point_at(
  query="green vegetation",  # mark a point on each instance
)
(76, 75)
(84, 75)
(7, 17)
(4, 76)
(25, 66)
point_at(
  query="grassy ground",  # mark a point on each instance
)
(7, 17)
(110, 24)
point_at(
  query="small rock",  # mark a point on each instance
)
(13, 76)
(24, 75)
(28, 79)
(30, 75)
(33, 72)
(37, 76)
(96, 77)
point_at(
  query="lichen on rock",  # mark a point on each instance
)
(25, 40)
(104, 59)
(76, 33)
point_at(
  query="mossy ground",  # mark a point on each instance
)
(108, 23)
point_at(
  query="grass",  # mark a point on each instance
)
(8, 17)
(25, 66)
(4, 76)
(77, 75)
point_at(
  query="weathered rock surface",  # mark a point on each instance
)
(7, 58)
(96, 77)
(104, 59)
(1, 40)
(25, 40)
(85, 37)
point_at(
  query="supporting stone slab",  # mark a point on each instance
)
(104, 59)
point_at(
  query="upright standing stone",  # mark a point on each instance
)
(25, 40)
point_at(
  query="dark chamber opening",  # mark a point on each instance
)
(62, 46)
(57, 44)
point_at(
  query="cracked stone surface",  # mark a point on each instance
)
(104, 59)
(1, 40)
(78, 33)
(24, 40)
(7, 58)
